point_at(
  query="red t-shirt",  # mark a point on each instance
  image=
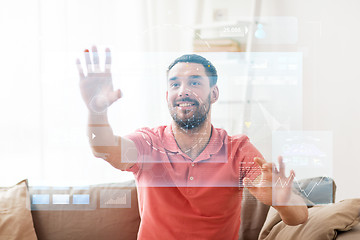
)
(181, 198)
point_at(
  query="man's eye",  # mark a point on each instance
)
(195, 83)
(174, 85)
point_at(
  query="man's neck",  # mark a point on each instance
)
(192, 141)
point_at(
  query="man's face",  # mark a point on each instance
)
(189, 94)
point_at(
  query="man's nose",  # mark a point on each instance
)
(183, 91)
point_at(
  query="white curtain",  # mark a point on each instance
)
(43, 119)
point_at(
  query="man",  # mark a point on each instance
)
(189, 175)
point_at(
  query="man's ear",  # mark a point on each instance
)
(167, 94)
(214, 94)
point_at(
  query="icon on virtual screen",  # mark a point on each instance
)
(61, 198)
(115, 198)
(81, 199)
(260, 33)
(40, 199)
(247, 124)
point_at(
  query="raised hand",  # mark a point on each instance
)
(274, 187)
(96, 87)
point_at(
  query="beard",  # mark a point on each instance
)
(196, 119)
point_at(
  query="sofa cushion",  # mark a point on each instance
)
(15, 216)
(316, 190)
(110, 212)
(323, 223)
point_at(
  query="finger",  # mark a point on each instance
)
(291, 177)
(264, 166)
(95, 59)
(80, 69)
(107, 60)
(281, 166)
(87, 61)
(120, 94)
(114, 96)
(259, 161)
(274, 168)
(268, 167)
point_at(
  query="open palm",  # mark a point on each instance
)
(274, 188)
(96, 87)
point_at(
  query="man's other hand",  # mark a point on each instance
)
(273, 187)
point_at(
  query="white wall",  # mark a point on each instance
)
(329, 38)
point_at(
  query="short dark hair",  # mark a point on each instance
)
(194, 58)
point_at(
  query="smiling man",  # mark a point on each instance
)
(189, 174)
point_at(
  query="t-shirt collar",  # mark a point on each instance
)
(212, 147)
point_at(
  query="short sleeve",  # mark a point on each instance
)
(143, 144)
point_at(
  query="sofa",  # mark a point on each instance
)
(110, 211)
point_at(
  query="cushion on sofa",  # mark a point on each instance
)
(323, 223)
(106, 215)
(16, 222)
(316, 190)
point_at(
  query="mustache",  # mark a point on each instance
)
(187, 99)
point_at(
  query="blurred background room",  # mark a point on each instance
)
(288, 78)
